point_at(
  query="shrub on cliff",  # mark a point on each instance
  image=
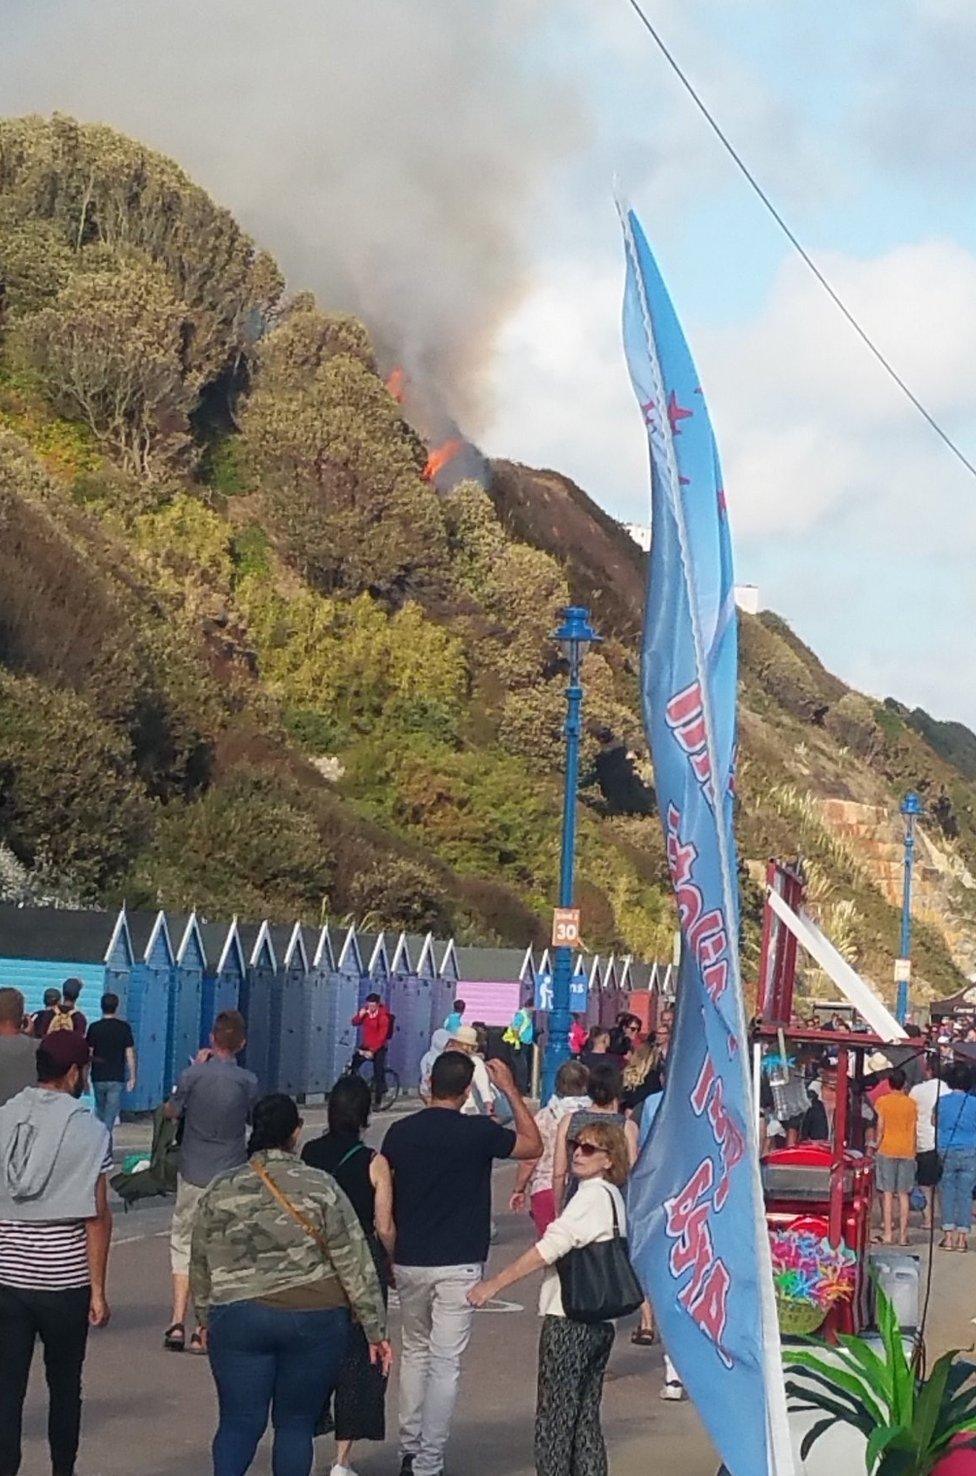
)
(68, 794)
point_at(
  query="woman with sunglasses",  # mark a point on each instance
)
(572, 1355)
(605, 1087)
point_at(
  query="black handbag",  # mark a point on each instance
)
(597, 1281)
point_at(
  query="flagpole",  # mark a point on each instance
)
(779, 1444)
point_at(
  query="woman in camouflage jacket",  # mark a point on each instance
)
(278, 1264)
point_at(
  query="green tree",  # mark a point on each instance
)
(521, 589)
(101, 189)
(35, 263)
(355, 663)
(247, 845)
(340, 473)
(305, 339)
(108, 352)
(400, 893)
(68, 795)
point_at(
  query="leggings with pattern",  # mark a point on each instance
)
(572, 1361)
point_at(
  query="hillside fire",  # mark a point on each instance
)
(439, 457)
(397, 383)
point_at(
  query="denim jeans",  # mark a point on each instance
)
(108, 1101)
(956, 1188)
(263, 1357)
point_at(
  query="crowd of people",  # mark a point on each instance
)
(916, 1102)
(288, 1252)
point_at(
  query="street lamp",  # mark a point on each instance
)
(911, 808)
(574, 638)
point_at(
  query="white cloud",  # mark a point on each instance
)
(844, 503)
(808, 421)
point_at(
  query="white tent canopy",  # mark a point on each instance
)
(878, 1017)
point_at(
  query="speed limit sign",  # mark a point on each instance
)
(565, 927)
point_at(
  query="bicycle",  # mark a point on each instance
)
(391, 1090)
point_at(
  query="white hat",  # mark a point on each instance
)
(877, 1061)
(465, 1035)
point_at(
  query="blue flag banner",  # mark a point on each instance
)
(696, 1224)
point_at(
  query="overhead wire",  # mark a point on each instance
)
(793, 239)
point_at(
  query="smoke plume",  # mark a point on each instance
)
(390, 153)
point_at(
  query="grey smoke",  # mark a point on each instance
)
(393, 154)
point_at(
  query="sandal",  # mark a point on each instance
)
(174, 1338)
(196, 1343)
(643, 1337)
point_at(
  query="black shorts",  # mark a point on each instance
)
(928, 1169)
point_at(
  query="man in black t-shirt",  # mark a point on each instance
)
(441, 1163)
(113, 1061)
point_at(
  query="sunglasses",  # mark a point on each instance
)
(587, 1149)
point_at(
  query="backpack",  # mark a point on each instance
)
(62, 1019)
(159, 1177)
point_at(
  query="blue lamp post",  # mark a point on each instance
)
(911, 808)
(574, 636)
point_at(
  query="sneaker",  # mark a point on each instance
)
(672, 1389)
(406, 1466)
(342, 1471)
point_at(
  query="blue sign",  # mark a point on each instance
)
(578, 993)
(696, 1224)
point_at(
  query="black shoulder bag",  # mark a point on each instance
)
(597, 1281)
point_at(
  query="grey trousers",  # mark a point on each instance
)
(436, 1325)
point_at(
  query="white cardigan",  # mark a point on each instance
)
(586, 1219)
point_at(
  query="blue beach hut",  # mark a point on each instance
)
(413, 973)
(348, 985)
(186, 991)
(40, 947)
(376, 965)
(147, 1009)
(324, 1031)
(223, 975)
(256, 996)
(446, 981)
(290, 1011)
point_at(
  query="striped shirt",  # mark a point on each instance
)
(45, 1255)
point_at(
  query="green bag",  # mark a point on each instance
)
(159, 1178)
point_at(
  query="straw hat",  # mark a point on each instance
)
(877, 1061)
(465, 1035)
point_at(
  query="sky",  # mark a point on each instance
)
(446, 167)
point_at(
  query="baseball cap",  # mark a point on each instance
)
(465, 1035)
(64, 1049)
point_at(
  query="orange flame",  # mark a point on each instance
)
(440, 456)
(396, 384)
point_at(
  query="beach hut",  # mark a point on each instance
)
(493, 982)
(186, 991)
(290, 1011)
(348, 986)
(223, 975)
(413, 973)
(323, 1027)
(147, 1008)
(40, 947)
(257, 990)
(375, 978)
(445, 981)
(634, 979)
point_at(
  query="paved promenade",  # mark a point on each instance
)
(153, 1413)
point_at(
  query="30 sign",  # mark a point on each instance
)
(566, 927)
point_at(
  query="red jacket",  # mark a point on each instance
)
(375, 1028)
